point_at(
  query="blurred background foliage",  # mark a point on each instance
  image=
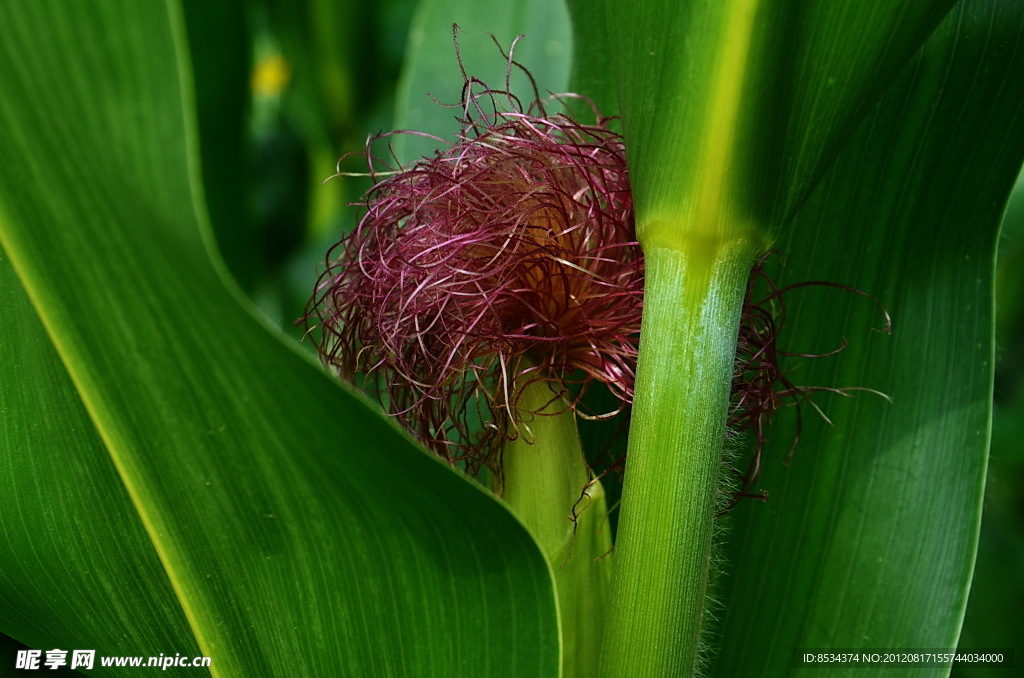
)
(287, 88)
(291, 88)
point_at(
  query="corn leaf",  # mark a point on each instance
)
(266, 516)
(869, 537)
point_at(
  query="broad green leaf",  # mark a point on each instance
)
(997, 592)
(868, 539)
(299, 530)
(732, 108)
(432, 71)
(71, 539)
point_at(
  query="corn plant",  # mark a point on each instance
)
(181, 476)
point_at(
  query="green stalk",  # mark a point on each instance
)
(692, 307)
(545, 475)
